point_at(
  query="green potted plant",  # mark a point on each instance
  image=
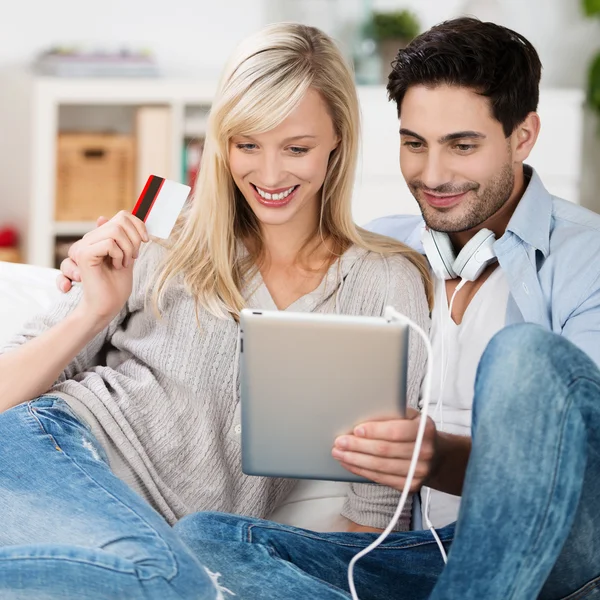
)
(591, 9)
(392, 31)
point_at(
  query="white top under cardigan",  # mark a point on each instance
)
(463, 346)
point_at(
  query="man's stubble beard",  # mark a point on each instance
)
(479, 209)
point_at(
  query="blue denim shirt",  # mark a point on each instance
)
(550, 254)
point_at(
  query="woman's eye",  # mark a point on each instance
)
(298, 150)
(246, 147)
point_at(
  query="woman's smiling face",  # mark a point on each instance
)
(280, 172)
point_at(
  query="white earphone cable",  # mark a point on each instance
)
(440, 406)
(392, 315)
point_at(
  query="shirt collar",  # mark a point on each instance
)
(532, 218)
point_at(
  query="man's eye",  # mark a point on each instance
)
(465, 147)
(414, 145)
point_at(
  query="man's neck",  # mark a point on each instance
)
(498, 222)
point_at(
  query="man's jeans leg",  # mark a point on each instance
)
(529, 523)
(70, 529)
(262, 560)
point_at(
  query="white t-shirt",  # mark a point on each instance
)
(459, 348)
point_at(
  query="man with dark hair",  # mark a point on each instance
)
(515, 444)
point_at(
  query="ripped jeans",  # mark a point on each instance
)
(70, 529)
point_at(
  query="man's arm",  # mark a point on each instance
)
(450, 463)
(582, 328)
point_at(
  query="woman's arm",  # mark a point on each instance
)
(30, 370)
(65, 341)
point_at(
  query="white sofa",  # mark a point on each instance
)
(26, 290)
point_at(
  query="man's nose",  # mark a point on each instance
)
(435, 173)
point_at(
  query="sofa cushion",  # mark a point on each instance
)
(24, 291)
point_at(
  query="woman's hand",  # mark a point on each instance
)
(69, 271)
(382, 450)
(104, 261)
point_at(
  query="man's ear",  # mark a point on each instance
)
(525, 136)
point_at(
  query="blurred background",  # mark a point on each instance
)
(95, 97)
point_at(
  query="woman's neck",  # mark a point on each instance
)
(294, 264)
(294, 243)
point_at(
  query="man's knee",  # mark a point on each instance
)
(521, 345)
(521, 366)
(519, 354)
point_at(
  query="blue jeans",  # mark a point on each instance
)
(70, 529)
(529, 523)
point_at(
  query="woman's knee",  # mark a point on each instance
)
(214, 526)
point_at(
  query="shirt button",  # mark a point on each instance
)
(238, 429)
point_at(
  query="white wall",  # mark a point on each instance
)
(196, 36)
(186, 35)
(564, 39)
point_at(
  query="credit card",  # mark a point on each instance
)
(159, 205)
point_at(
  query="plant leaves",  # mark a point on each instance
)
(591, 7)
(594, 84)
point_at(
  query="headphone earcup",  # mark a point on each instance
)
(476, 255)
(440, 253)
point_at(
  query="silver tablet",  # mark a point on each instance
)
(307, 378)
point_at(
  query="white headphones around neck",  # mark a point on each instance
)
(471, 261)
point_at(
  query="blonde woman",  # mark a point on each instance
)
(120, 405)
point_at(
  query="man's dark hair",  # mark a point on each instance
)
(492, 60)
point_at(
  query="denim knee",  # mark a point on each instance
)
(208, 525)
(522, 343)
(523, 349)
(521, 365)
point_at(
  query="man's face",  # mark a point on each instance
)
(454, 156)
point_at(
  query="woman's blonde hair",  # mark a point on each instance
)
(264, 81)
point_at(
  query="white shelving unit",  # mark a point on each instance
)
(32, 108)
(30, 120)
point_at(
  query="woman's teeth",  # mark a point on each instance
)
(279, 196)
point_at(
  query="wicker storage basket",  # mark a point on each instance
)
(95, 174)
(10, 255)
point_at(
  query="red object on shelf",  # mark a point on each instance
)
(9, 237)
(193, 158)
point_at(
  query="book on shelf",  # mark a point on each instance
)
(153, 134)
(192, 157)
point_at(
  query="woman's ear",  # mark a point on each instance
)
(525, 136)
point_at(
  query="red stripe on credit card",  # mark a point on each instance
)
(148, 197)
